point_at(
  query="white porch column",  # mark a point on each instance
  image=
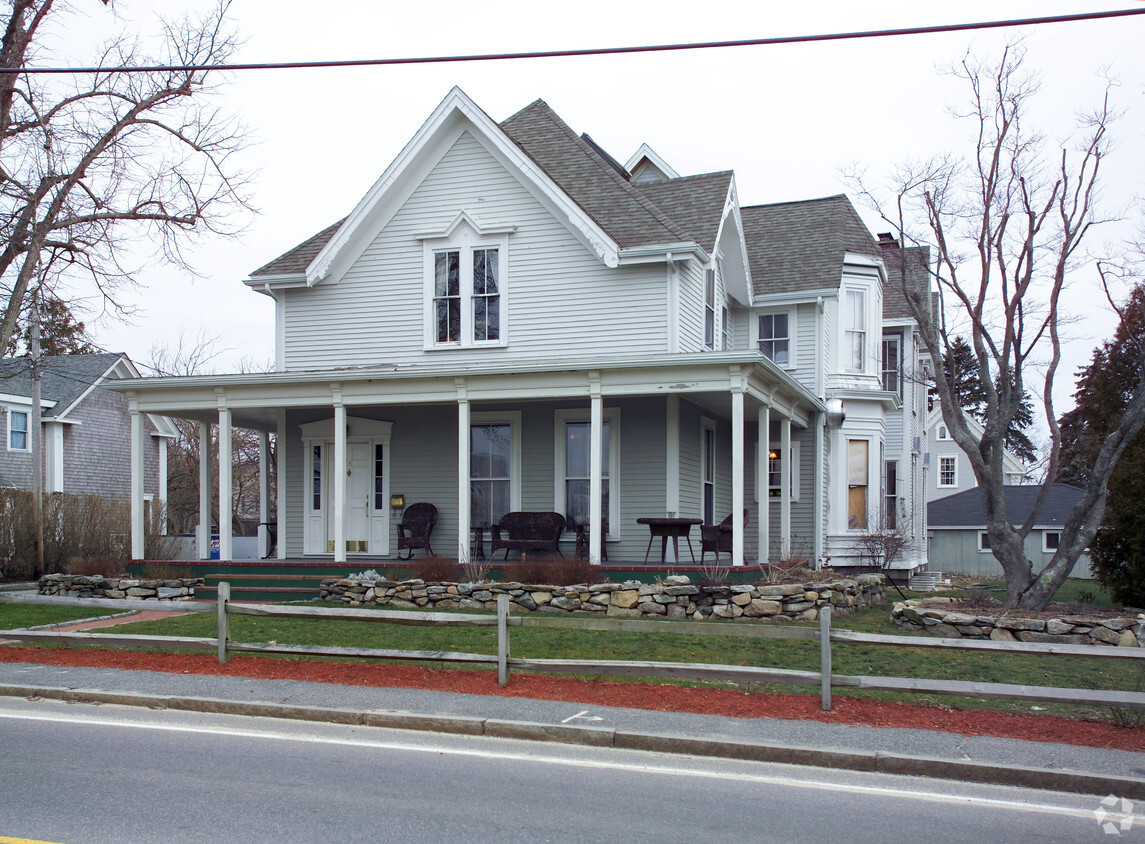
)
(785, 492)
(464, 503)
(672, 458)
(341, 487)
(204, 490)
(162, 496)
(763, 535)
(263, 493)
(737, 475)
(137, 527)
(595, 467)
(226, 516)
(280, 494)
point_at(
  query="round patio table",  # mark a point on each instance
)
(666, 529)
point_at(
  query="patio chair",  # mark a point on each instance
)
(415, 527)
(718, 538)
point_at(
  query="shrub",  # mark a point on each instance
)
(433, 570)
(559, 571)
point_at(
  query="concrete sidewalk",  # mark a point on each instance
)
(901, 751)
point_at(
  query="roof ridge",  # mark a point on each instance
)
(609, 173)
(795, 201)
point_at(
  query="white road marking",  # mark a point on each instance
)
(582, 714)
(786, 780)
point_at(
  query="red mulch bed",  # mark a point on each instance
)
(871, 713)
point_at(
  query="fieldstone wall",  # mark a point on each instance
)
(674, 597)
(1007, 627)
(97, 586)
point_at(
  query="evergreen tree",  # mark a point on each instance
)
(1104, 388)
(60, 332)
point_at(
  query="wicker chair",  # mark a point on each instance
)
(416, 526)
(718, 538)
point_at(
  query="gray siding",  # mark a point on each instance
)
(378, 305)
(955, 552)
(97, 452)
(691, 307)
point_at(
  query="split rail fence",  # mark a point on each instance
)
(224, 608)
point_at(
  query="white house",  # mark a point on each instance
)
(510, 319)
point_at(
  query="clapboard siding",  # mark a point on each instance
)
(561, 299)
(691, 307)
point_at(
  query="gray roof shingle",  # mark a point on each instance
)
(299, 258)
(64, 377)
(964, 509)
(796, 246)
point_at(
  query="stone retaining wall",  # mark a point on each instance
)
(674, 597)
(1009, 627)
(97, 586)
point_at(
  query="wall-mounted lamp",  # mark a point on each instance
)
(397, 502)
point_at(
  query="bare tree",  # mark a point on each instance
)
(1006, 225)
(883, 540)
(185, 357)
(90, 163)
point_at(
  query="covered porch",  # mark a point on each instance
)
(677, 436)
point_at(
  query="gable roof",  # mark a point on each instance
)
(964, 509)
(64, 378)
(1010, 461)
(688, 209)
(800, 246)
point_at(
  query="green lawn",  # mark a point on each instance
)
(860, 659)
(13, 616)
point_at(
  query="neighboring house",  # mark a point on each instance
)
(510, 319)
(958, 541)
(85, 430)
(950, 470)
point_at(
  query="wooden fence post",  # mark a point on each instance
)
(825, 655)
(224, 630)
(503, 639)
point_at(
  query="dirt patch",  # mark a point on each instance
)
(651, 696)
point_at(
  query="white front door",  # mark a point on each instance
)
(360, 509)
(367, 487)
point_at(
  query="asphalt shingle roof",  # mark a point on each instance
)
(795, 246)
(299, 258)
(917, 260)
(64, 377)
(964, 509)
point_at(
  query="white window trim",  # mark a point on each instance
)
(791, 323)
(612, 416)
(512, 418)
(792, 472)
(711, 307)
(982, 535)
(897, 340)
(847, 485)
(938, 478)
(28, 435)
(708, 424)
(1045, 536)
(465, 240)
(845, 347)
(942, 433)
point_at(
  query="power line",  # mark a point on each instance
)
(596, 51)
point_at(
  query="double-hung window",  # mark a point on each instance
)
(855, 320)
(775, 471)
(573, 490)
(708, 460)
(18, 431)
(948, 471)
(494, 467)
(890, 492)
(858, 463)
(775, 337)
(892, 365)
(466, 289)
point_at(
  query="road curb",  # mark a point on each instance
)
(1077, 782)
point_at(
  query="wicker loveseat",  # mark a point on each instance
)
(523, 532)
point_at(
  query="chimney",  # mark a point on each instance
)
(887, 241)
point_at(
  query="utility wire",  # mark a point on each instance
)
(599, 51)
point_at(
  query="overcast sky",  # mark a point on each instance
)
(786, 119)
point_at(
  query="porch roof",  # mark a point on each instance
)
(707, 378)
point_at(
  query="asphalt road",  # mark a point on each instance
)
(78, 773)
